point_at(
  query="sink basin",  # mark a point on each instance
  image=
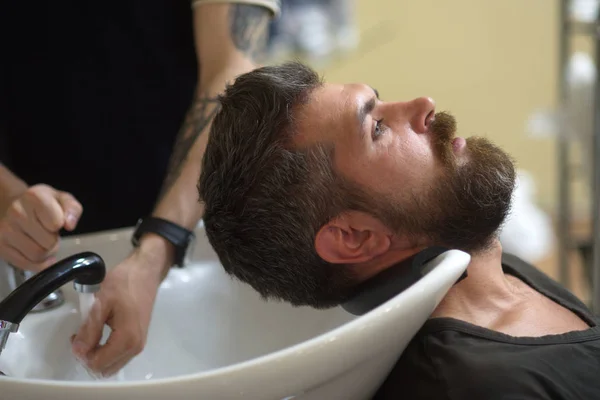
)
(212, 337)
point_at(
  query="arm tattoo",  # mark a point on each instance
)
(248, 27)
(198, 117)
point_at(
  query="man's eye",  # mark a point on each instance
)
(378, 130)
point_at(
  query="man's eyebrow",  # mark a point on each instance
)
(366, 109)
(375, 91)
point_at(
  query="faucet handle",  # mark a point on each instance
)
(17, 276)
(6, 327)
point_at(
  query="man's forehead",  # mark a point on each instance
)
(338, 94)
(331, 109)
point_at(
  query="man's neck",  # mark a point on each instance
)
(486, 288)
(491, 299)
(485, 291)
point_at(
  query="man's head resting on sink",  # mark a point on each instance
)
(311, 187)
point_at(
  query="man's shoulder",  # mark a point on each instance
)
(543, 283)
(526, 271)
(515, 262)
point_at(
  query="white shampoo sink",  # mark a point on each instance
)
(213, 338)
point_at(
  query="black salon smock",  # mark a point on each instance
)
(92, 95)
(454, 360)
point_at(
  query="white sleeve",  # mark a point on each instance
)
(273, 5)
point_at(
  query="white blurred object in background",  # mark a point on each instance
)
(527, 232)
(579, 107)
(575, 119)
(311, 26)
(318, 30)
(576, 116)
(344, 27)
(583, 10)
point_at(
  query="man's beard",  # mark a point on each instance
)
(466, 206)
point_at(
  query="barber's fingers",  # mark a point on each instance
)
(113, 355)
(49, 241)
(72, 210)
(32, 224)
(90, 332)
(20, 249)
(14, 256)
(124, 343)
(24, 216)
(20, 217)
(30, 249)
(41, 202)
(17, 259)
(44, 211)
(115, 367)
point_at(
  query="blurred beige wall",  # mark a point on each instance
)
(491, 63)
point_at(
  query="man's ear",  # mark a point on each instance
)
(351, 238)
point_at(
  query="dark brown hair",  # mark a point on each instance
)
(264, 198)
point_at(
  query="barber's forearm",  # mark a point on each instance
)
(228, 38)
(178, 201)
(11, 186)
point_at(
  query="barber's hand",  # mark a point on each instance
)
(29, 229)
(124, 303)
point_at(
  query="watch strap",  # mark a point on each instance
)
(178, 236)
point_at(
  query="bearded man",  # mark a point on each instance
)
(311, 188)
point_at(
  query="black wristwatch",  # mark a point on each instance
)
(178, 236)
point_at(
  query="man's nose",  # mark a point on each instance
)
(422, 113)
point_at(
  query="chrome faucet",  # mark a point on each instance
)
(86, 270)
